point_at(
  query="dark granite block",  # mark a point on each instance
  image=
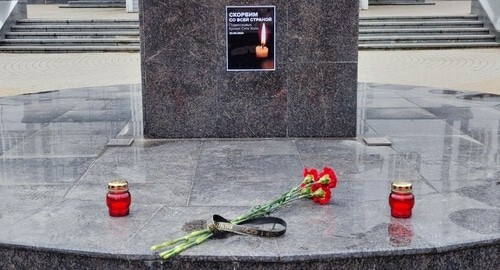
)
(322, 31)
(175, 107)
(322, 100)
(252, 104)
(189, 93)
(180, 33)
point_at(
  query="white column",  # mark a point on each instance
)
(363, 4)
(132, 5)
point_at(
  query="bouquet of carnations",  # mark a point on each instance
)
(316, 186)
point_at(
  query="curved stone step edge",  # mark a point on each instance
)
(93, 21)
(419, 23)
(57, 34)
(436, 37)
(423, 30)
(67, 48)
(73, 40)
(92, 6)
(412, 46)
(438, 17)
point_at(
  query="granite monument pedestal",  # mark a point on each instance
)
(189, 93)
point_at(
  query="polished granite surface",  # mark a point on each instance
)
(55, 165)
(188, 92)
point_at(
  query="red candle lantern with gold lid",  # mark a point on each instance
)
(118, 198)
(401, 199)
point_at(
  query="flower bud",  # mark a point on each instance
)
(305, 191)
(319, 193)
(308, 179)
(325, 180)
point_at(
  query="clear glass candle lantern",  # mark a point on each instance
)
(401, 199)
(118, 198)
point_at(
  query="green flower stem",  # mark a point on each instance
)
(262, 210)
(200, 236)
(180, 239)
(188, 244)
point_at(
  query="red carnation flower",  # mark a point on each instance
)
(312, 172)
(328, 177)
(321, 194)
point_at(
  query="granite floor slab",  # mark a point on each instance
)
(55, 166)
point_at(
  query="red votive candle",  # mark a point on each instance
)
(118, 198)
(401, 199)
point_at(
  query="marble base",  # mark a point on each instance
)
(187, 92)
(54, 172)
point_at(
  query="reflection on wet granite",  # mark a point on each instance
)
(55, 167)
(485, 221)
(488, 193)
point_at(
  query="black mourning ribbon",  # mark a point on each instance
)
(219, 225)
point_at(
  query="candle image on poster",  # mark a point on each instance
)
(250, 38)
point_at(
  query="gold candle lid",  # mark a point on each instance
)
(401, 187)
(118, 186)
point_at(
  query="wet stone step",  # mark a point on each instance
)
(424, 31)
(69, 22)
(62, 49)
(444, 24)
(437, 39)
(69, 42)
(97, 35)
(69, 28)
(417, 18)
(92, 6)
(429, 45)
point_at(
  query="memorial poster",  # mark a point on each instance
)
(250, 34)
